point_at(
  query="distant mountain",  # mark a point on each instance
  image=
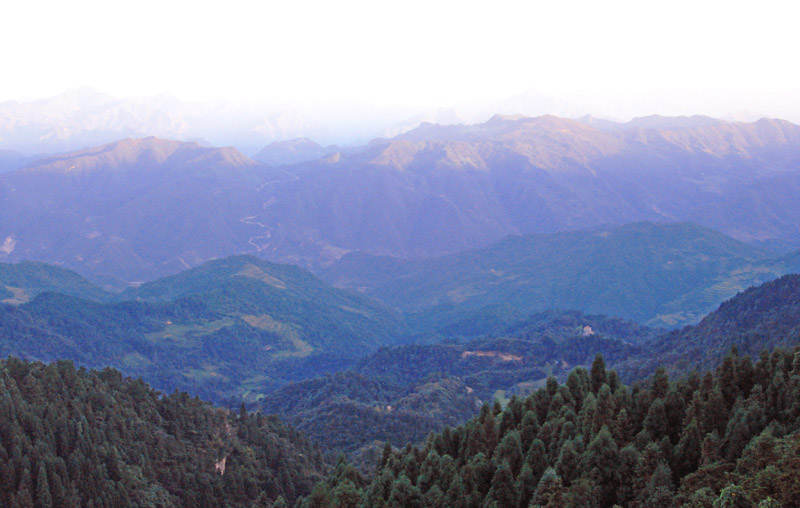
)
(758, 319)
(138, 209)
(651, 122)
(295, 151)
(21, 282)
(279, 153)
(231, 329)
(131, 210)
(319, 320)
(83, 117)
(660, 274)
(439, 189)
(11, 160)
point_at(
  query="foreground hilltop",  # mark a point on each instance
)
(730, 438)
(85, 438)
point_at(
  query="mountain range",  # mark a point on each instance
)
(137, 209)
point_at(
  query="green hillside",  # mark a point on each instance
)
(658, 274)
(284, 300)
(21, 282)
(400, 394)
(233, 328)
(757, 320)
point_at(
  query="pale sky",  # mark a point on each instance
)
(424, 53)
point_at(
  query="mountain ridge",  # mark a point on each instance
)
(431, 191)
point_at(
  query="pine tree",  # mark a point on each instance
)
(550, 491)
(537, 459)
(656, 421)
(526, 486)
(434, 498)
(320, 497)
(688, 449)
(43, 497)
(457, 493)
(600, 462)
(568, 465)
(660, 490)
(510, 449)
(504, 489)
(585, 493)
(528, 429)
(405, 495)
(597, 374)
(346, 495)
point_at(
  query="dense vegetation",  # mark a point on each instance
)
(355, 414)
(241, 329)
(658, 274)
(399, 394)
(232, 328)
(762, 317)
(21, 282)
(96, 439)
(349, 411)
(723, 439)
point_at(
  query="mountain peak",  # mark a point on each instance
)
(505, 118)
(136, 153)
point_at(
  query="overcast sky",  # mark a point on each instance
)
(424, 53)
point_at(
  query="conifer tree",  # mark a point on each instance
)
(405, 494)
(550, 491)
(504, 489)
(597, 374)
(526, 486)
(43, 497)
(346, 495)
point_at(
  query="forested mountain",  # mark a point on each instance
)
(21, 282)
(231, 328)
(757, 320)
(726, 439)
(96, 439)
(659, 274)
(354, 413)
(138, 209)
(516, 358)
(400, 394)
